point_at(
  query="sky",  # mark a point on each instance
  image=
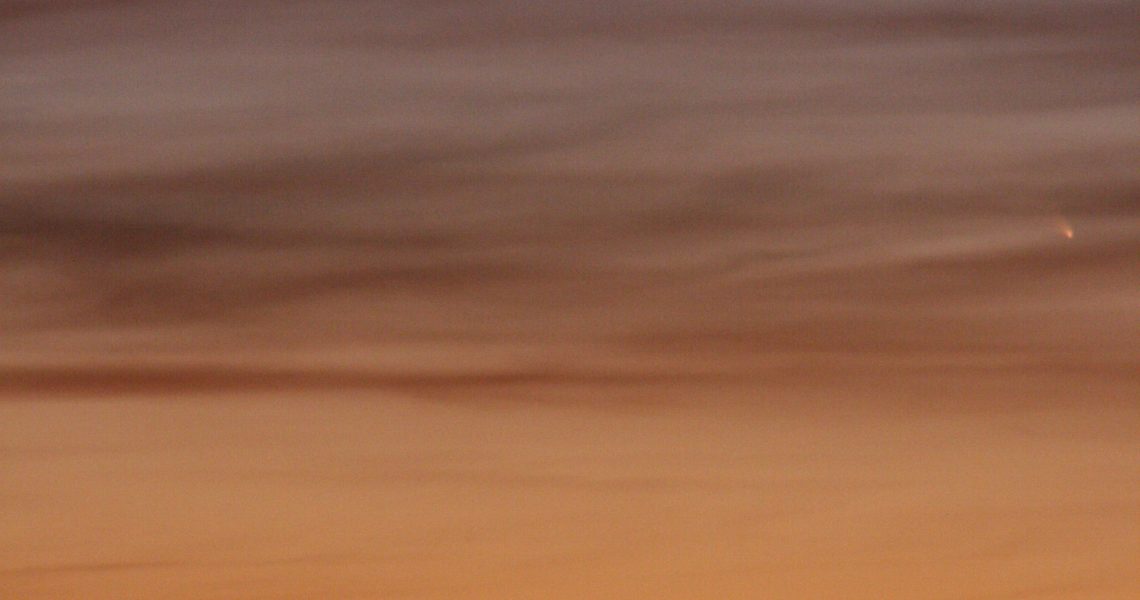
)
(544, 299)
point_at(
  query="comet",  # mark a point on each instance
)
(1064, 227)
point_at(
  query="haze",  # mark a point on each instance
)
(545, 300)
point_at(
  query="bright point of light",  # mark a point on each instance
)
(1064, 227)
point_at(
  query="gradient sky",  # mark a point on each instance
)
(622, 299)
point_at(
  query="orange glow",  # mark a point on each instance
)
(569, 300)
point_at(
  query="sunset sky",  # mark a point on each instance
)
(559, 300)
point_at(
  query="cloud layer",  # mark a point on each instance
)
(623, 299)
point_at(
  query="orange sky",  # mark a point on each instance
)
(633, 299)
